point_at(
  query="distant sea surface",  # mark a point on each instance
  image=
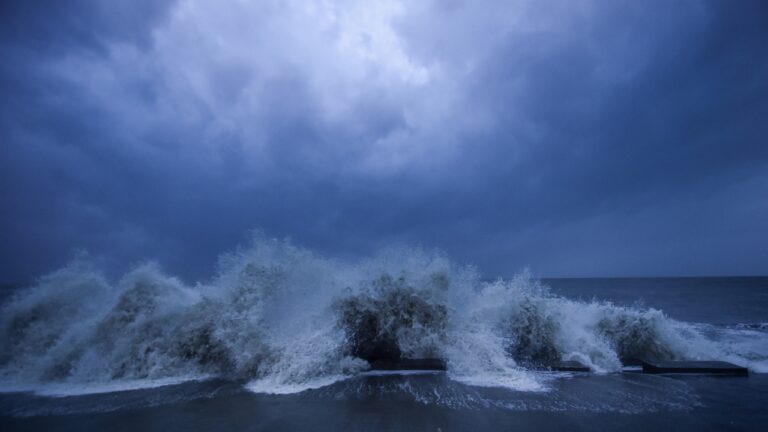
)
(714, 300)
(732, 312)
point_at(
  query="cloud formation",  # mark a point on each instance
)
(576, 138)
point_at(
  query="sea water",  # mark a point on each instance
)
(277, 339)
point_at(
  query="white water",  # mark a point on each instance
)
(285, 319)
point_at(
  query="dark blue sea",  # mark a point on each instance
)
(278, 342)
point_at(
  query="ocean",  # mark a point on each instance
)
(278, 340)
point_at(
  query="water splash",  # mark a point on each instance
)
(285, 319)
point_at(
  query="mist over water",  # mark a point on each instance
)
(284, 319)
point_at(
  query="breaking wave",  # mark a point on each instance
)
(285, 319)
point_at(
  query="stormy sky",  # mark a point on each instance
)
(575, 138)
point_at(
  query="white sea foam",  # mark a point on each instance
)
(65, 388)
(286, 320)
(745, 345)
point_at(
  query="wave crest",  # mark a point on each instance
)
(287, 319)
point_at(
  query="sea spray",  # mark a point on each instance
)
(286, 319)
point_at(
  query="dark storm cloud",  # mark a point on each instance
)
(601, 138)
(63, 27)
(54, 149)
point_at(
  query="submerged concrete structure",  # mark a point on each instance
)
(570, 366)
(408, 364)
(694, 367)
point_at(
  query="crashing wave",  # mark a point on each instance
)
(286, 319)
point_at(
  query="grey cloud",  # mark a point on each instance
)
(610, 139)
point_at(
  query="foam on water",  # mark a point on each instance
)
(743, 344)
(286, 320)
(64, 388)
(605, 393)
